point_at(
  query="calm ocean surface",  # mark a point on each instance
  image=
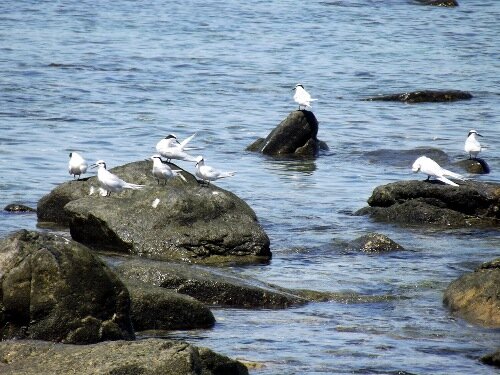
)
(110, 79)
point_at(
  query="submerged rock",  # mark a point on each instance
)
(144, 357)
(374, 243)
(432, 202)
(295, 135)
(492, 359)
(57, 290)
(477, 166)
(424, 96)
(210, 286)
(475, 296)
(155, 308)
(189, 221)
(439, 3)
(16, 207)
(405, 158)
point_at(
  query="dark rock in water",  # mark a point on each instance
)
(142, 357)
(15, 207)
(295, 135)
(476, 296)
(477, 166)
(54, 289)
(374, 243)
(210, 286)
(492, 359)
(431, 202)
(439, 3)
(191, 222)
(155, 308)
(405, 158)
(424, 96)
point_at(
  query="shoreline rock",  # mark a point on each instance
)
(475, 296)
(17, 207)
(431, 202)
(295, 135)
(424, 96)
(57, 290)
(374, 243)
(192, 222)
(145, 357)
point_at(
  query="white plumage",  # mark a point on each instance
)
(429, 167)
(302, 97)
(110, 182)
(207, 173)
(162, 171)
(472, 145)
(77, 164)
(170, 148)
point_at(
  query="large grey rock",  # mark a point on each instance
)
(295, 135)
(432, 202)
(424, 96)
(155, 308)
(143, 357)
(55, 289)
(475, 296)
(208, 285)
(192, 222)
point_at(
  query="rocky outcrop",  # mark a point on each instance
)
(144, 357)
(57, 290)
(17, 207)
(210, 286)
(295, 135)
(492, 359)
(476, 296)
(475, 166)
(374, 243)
(424, 96)
(439, 3)
(432, 202)
(190, 221)
(155, 308)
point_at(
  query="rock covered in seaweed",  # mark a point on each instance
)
(145, 357)
(57, 290)
(475, 296)
(190, 222)
(295, 135)
(431, 202)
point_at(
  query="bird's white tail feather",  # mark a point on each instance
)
(178, 173)
(187, 140)
(312, 100)
(446, 181)
(133, 186)
(453, 175)
(227, 174)
(190, 158)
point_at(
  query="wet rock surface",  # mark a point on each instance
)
(374, 243)
(475, 296)
(192, 222)
(145, 357)
(492, 359)
(57, 290)
(431, 202)
(295, 135)
(439, 3)
(17, 207)
(213, 286)
(424, 96)
(155, 308)
(475, 166)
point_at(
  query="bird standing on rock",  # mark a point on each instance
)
(207, 173)
(472, 145)
(111, 182)
(162, 171)
(431, 168)
(302, 97)
(77, 164)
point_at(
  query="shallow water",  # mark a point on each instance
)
(112, 79)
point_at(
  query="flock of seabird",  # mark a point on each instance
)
(170, 148)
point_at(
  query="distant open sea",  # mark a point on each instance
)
(111, 78)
